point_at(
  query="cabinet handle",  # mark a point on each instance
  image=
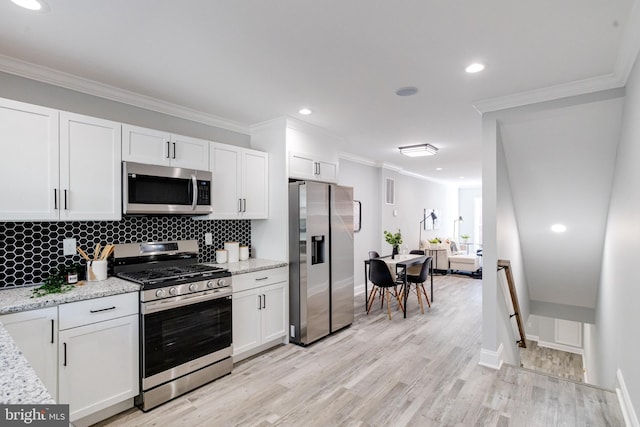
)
(174, 150)
(102, 309)
(65, 354)
(55, 198)
(52, 331)
(65, 200)
(319, 171)
(259, 302)
(244, 205)
(239, 205)
(261, 278)
(264, 301)
(168, 149)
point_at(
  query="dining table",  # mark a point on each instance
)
(398, 265)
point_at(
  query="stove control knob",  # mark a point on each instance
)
(193, 287)
(173, 291)
(222, 283)
(160, 293)
(211, 284)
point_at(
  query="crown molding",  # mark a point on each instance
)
(69, 81)
(627, 56)
(357, 159)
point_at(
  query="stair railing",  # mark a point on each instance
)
(511, 298)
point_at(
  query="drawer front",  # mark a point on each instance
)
(97, 310)
(256, 279)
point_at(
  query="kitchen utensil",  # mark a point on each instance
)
(107, 251)
(83, 254)
(96, 251)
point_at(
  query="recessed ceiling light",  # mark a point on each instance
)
(438, 169)
(35, 5)
(305, 111)
(558, 228)
(474, 68)
(462, 177)
(407, 91)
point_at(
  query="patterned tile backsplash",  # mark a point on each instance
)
(30, 250)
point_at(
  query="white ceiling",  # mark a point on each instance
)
(561, 164)
(249, 61)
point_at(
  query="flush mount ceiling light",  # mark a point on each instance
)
(34, 5)
(305, 111)
(407, 91)
(418, 150)
(474, 68)
(558, 228)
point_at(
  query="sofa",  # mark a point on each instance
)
(447, 258)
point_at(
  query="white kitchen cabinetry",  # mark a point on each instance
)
(98, 353)
(36, 335)
(58, 165)
(155, 147)
(90, 177)
(304, 166)
(259, 311)
(241, 182)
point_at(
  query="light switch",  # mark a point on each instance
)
(208, 239)
(69, 247)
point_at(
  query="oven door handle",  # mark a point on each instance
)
(155, 306)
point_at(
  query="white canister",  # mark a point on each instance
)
(221, 256)
(233, 249)
(96, 270)
(244, 253)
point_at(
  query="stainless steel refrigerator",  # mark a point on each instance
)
(320, 260)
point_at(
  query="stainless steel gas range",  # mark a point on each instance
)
(185, 317)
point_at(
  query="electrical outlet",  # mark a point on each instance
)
(208, 239)
(69, 246)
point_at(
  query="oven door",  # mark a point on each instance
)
(183, 334)
(153, 189)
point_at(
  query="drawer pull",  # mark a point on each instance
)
(52, 332)
(65, 354)
(262, 278)
(102, 309)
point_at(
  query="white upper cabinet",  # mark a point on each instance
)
(29, 164)
(58, 165)
(155, 147)
(90, 155)
(240, 183)
(305, 166)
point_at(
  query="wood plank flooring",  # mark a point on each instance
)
(419, 371)
(553, 362)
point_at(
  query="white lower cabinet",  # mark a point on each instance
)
(35, 333)
(98, 353)
(259, 311)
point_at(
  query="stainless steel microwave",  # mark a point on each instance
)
(165, 190)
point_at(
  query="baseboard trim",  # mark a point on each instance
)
(629, 413)
(533, 338)
(561, 347)
(491, 359)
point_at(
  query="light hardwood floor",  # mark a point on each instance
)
(419, 371)
(553, 362)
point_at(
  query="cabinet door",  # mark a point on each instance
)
(146, 145)
(98, 365)
(29, 162)
(327, 171)
(255, 184)
(246, 320)
(273, 313)
(226, 164)
(191, 153)
(90, 177)
(301, 166)
(35, 333)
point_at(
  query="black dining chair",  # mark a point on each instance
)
(383, 282)
(373, 254)
(418, 280)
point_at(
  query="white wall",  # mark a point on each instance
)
(617, 311)
(31, 91)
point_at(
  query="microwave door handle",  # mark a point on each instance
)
(194, 183)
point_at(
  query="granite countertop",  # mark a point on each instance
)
(19, 383)
(19, 299)
(251, 265)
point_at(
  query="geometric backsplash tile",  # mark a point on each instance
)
(30, 250)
